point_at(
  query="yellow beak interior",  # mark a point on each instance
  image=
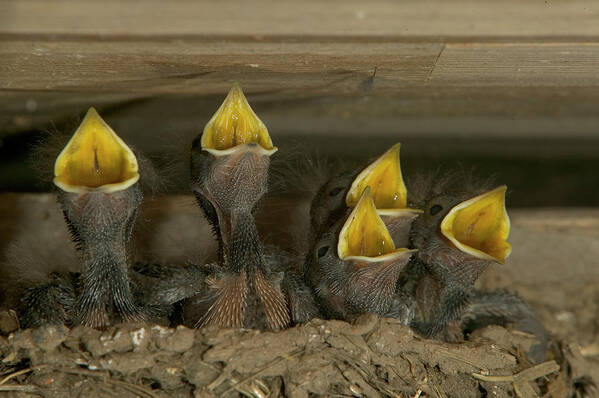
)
(480, 226)
(385, 179)
(95, 158)
(234, 124)
(364, 234)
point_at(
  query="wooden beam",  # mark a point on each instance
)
(427, 111)
(210, 68)
(442, 66)
(518, 65)
(300, 69)
(289, 19)
(469, 68)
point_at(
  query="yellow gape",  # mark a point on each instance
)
(364, 235)
(384, 178)
(235, 124)
(95, 159)
(480, 226)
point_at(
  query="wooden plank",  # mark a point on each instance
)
(297, 69)
(534, 139)
(46, 110)
(209, 68)
(518, 64)
(427, 111)
(541, 143)
(290, 70)
(272, 19)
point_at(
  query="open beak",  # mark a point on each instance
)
(234, 125)
(364, 236)
(375, 264)
(384, 178)
(95, 159)
(480, 226)
(388, 192)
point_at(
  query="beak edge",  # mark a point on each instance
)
(495, 247)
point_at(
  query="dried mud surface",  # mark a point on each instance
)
(373, 357)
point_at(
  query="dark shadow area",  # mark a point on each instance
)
(539, 172)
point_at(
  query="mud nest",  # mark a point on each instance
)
(372, 357)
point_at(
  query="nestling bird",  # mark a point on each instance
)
(388, 189)
(354, 266)
(461, 232)
(417, 292)
(229, 166)
(97, 176)
(358, 278)
(229, 172)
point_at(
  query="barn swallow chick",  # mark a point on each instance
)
(388, 191)
(354, 266)
(458, 236)
(97, 176)
(229, 166)
(389, 194)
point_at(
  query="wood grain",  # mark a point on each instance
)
(456, 69)
(300, 69)
(288, 19)
(210, 68)
(518, 64)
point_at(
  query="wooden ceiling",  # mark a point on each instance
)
(487, 82)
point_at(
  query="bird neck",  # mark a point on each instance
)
(245, 249)
(104, 259)
(451, 266)
(101, 226)
(104, 284)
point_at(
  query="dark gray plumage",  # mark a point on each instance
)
(345, 289)
(101, 225)
(244, 289)
(99, 193)
(447, 275)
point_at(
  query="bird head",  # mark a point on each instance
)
(356, 263)
(329, 202)
(230, 160)
(97, 174)
(388, 191)
(460, 227)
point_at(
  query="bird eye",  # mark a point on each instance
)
(322, 251)
(335, 191)
(435, 210)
